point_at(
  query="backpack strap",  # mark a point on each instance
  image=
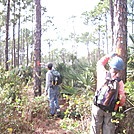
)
(108, 76)
(118, 79)
(52, 77)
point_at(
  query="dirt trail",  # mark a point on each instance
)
(49, 125)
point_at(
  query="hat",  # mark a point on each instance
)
(49, 65)
(117, 63)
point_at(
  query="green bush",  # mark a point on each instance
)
(78, 114)
(18, 106)
(125, 118)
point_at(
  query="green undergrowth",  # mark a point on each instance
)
(20, 110)
(78, 114)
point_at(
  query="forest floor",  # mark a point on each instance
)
(51, 124)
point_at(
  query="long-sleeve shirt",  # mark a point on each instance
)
(48, 80)
(101, 75)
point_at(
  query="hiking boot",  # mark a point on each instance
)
(52, 114)
(58, 113)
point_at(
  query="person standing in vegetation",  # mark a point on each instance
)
(52, 91)
(101, 120)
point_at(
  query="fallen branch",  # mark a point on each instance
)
(128, 109)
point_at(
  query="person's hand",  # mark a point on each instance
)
(46, 93)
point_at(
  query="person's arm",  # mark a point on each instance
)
(101, 70)
(122, 96)
(48, 82)
(103, 61)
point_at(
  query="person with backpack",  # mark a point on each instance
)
(101, 117)
(52, 90)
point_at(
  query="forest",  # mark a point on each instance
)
(30, 38)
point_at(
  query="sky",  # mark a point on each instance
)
(62, 10)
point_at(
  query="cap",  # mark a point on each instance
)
(117, 63)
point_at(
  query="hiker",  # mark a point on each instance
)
(52, 91)
(101, 120)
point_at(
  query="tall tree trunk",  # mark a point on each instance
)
(112, 21)
(1, 48)
(7, 34)
(18, 61)
(14, 46)
(27, 46)
(132, 17)
(32, 45)
(23, 45)
(12, 54)
(98, 42)
(121, 32)
(106, 31)
(37, 50)
(14, 42)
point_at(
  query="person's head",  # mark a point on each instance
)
(116, 65)
(49, 66)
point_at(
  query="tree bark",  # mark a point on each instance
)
(37, 51)
(14, 42)
(132, 16)
(14, 46)
(18, 60)
(7, 36)
(112, 20)
(121, 32)
(27, 46)
(106, 32)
